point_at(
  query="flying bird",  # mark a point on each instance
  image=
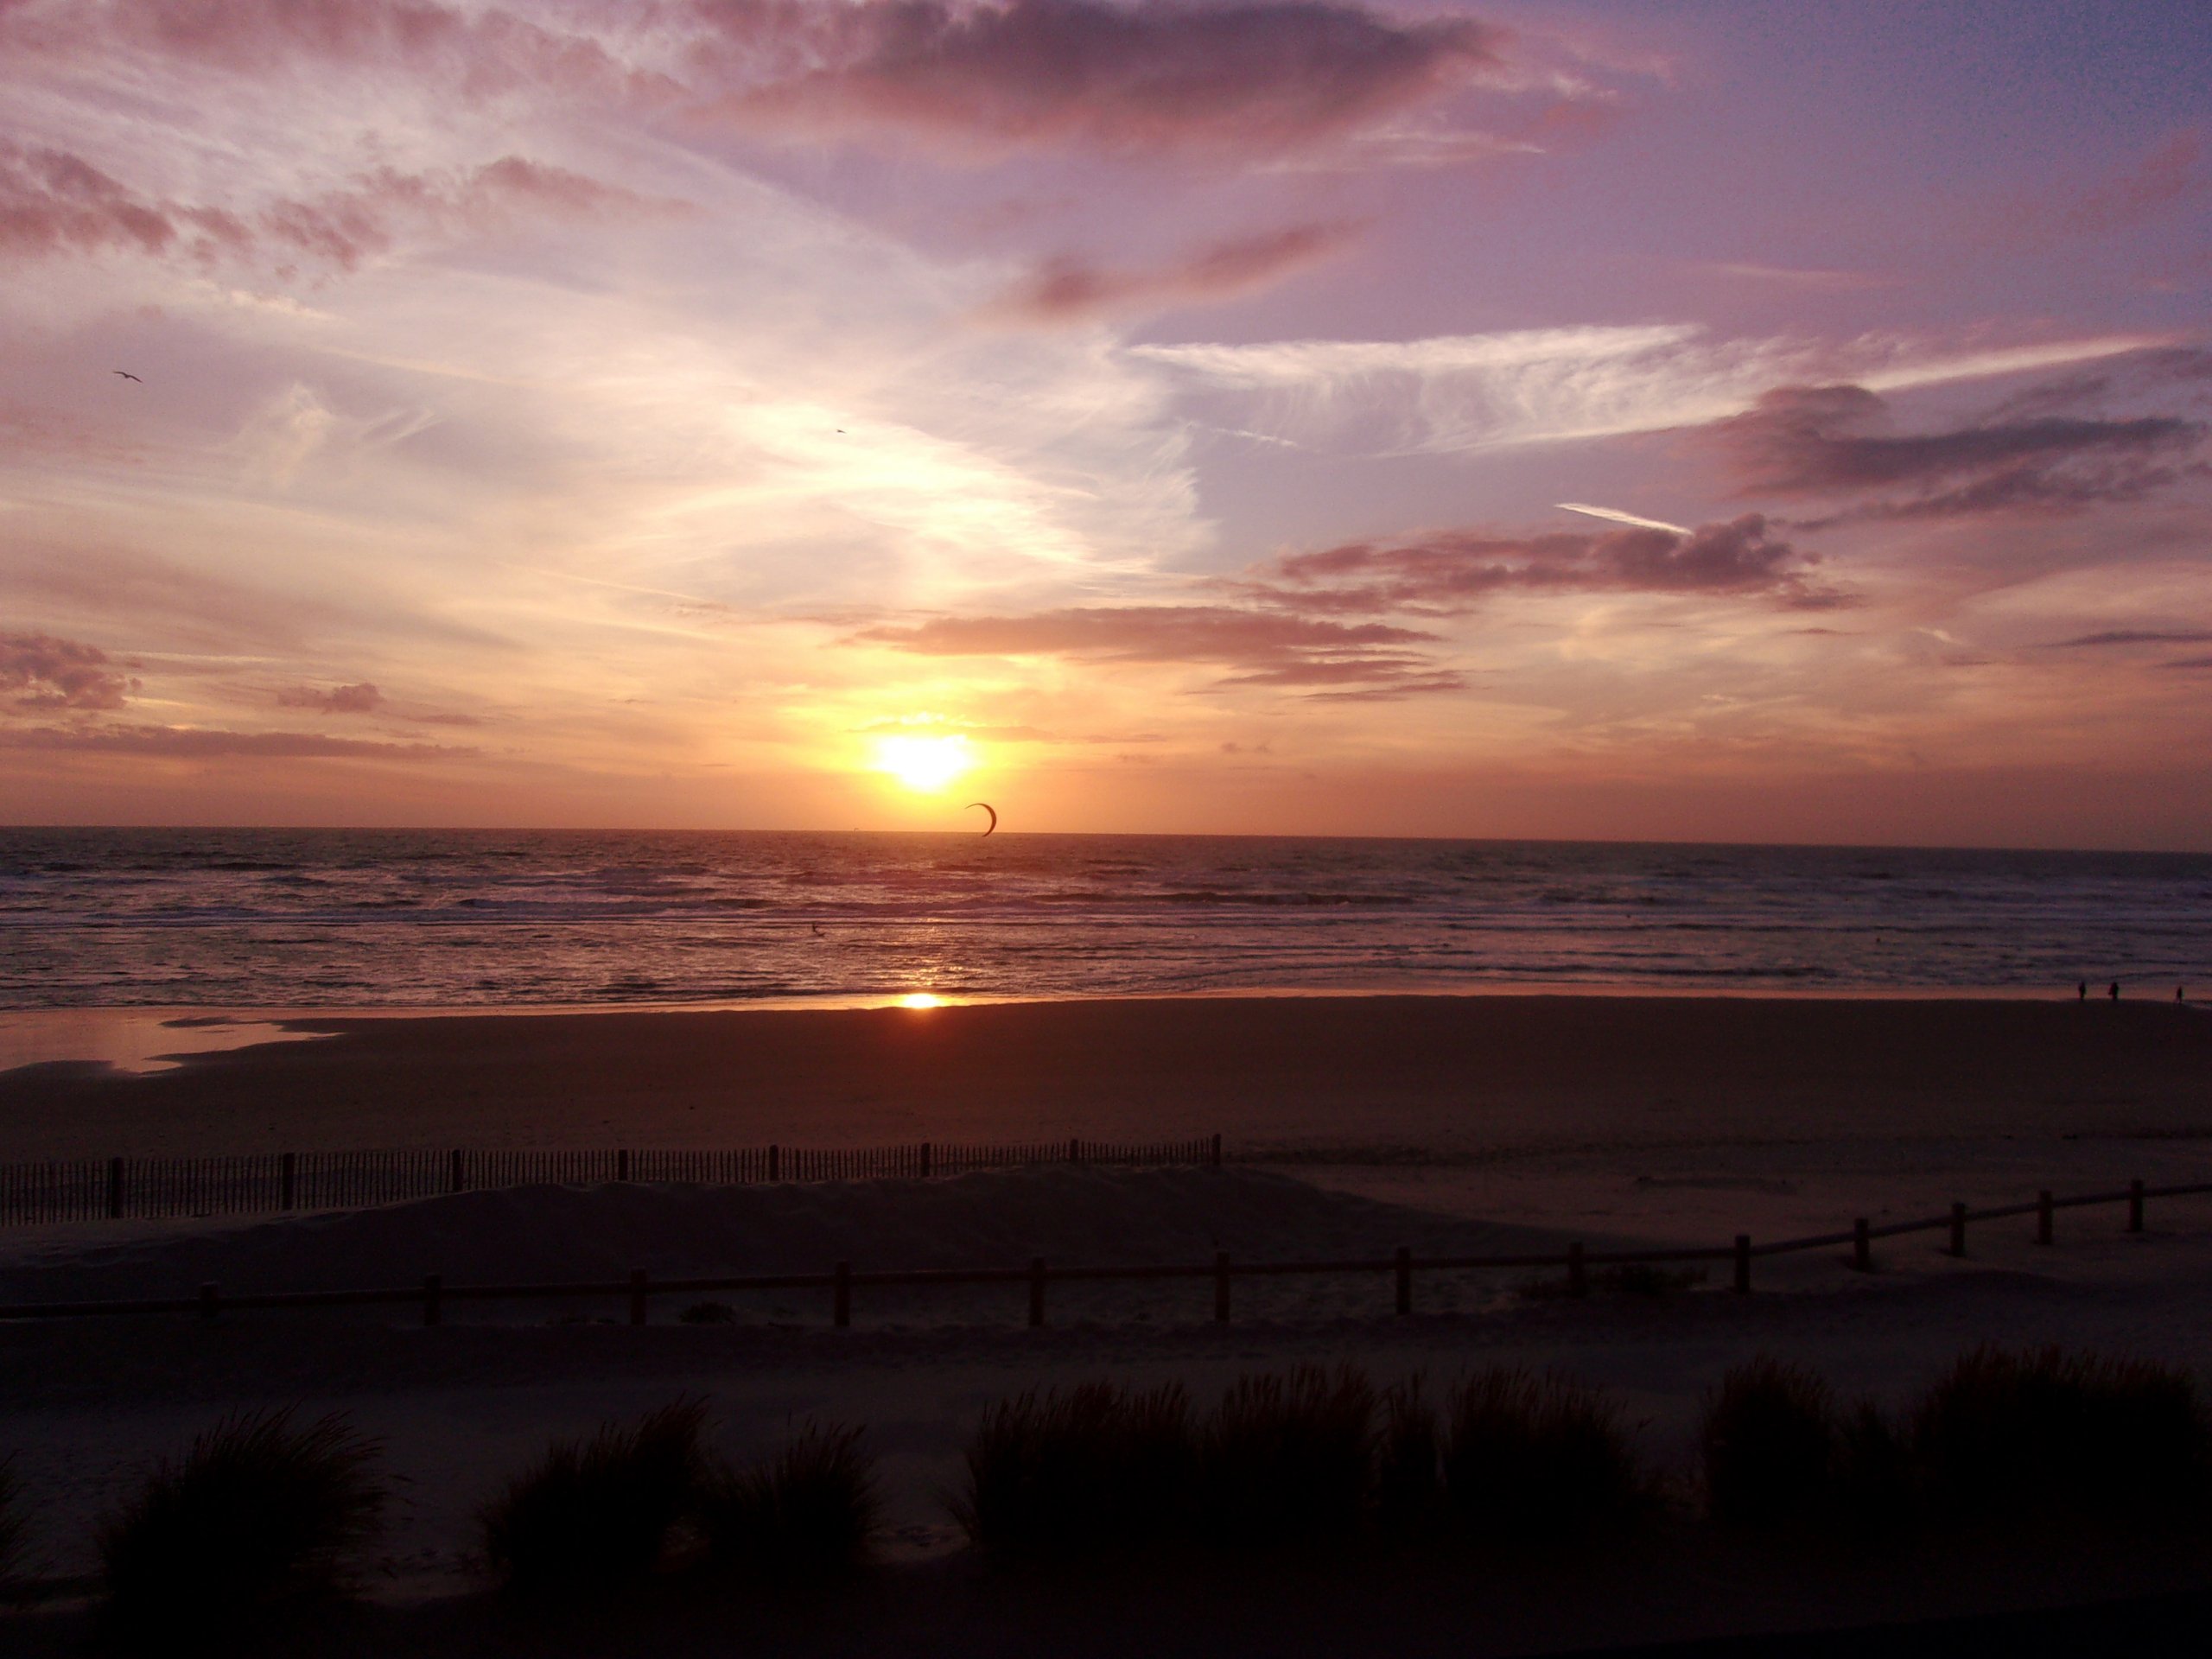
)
(988, 808)
(127, 375)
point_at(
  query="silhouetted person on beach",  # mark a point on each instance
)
(2081, 991)
(2113, 990)
(2177, 992)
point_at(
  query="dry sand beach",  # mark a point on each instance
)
(1353, 1125)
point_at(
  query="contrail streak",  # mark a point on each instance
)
(1620, 517)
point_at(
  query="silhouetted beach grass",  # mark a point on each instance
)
(1288, 1458)
(598, 1513)
(14, 1526)
(1096, 1466)
(807, 1512)
(1769, 1446)
(2050, 1433)
(1536, 1458)
(256, 1512)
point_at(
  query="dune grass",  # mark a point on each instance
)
(807, 1513)
(258, 1512)
(1288, 1459)
(1408, 1495)
(1096, 1466)
(596, 1514)
(1536, 1458)
(14, 1526)
(2049, 1433)
(1769, 1446)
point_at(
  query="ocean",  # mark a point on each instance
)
(260, 919)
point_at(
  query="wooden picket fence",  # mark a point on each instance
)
(1399, 1268)
(112, 1189)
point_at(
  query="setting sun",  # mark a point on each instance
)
(923, 763)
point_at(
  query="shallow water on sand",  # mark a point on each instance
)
(262, 919)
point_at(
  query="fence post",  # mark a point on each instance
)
(1075, 1150)
(775, 1160)
(622, 1164)
(1578, 1276)
(208, 1300)
(115, 1189)
(1220, 1286)
(2135, 1206)
(1742, 1264)
(1958, 1229)
(2043, 1217)
(637, 1295)
(434, 1291)
(841, 1299)
(287, 1178)
(1405, 1269)
(927, 1159)
(1036, 1290)
(455, 1180)
(1216, 1149)
(1862, 1246)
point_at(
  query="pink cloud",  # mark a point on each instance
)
(479, 51)
(1067, 288)
(199, 743)
(1257, 78)
(361, 699)
(1268, 647)
(2169, 175)
(1455, 570)
(43, 672)
(52, 203)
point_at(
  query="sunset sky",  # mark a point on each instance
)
(823, 413)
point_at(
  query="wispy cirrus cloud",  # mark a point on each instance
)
(1816, 440)
(1457, 393)
(1068, 288)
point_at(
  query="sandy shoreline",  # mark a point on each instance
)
(1442, 1074)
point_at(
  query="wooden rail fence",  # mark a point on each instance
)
(842, 1280)
(97, 1189)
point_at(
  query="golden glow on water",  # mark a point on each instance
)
(927, 764)
(920, 1000)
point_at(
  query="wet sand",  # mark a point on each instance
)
(1441, 1076)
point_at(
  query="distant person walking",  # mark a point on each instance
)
(2081, 990)
(2113, 990)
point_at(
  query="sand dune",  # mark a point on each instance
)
(544, 1233)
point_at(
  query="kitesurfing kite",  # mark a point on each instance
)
(993, 810)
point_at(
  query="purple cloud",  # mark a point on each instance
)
(1812, 441)
(361, 699)
(40, 671)
(52, 203)
(1251, 79)
(1454, 570)
(1068, 288)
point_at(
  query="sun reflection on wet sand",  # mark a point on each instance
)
(137, 1040)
